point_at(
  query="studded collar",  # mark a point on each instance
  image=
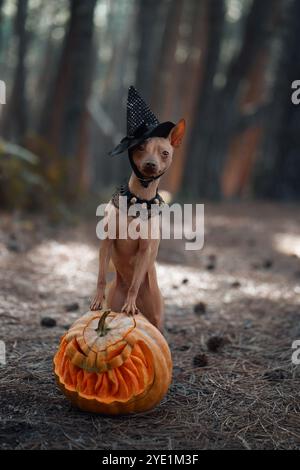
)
(132, 199)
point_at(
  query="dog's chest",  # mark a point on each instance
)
(132, 229)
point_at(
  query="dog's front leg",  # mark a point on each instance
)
(142, 263)
(104, 257)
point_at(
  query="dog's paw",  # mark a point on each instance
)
(96, 303)
(130, 307)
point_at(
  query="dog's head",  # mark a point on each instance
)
(154, 156)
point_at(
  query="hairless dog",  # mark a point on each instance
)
(135, 288)
(135, 285)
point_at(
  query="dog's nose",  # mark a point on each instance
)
(150, 165)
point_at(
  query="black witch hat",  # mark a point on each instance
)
(141, 123)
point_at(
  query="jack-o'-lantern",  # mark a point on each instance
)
(112, 363)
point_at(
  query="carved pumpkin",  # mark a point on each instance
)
(112, 363)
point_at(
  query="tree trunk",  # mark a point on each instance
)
(164, 78)
(188, 79)
(150, 24)
(15, 118)
(64, 118)
(227, 110)
(1, 16)
(197, 161)
(277, 171)
(243, 148)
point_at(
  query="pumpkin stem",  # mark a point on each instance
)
(101, 328)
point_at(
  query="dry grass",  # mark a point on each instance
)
(248, 394)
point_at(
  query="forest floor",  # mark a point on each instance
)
(232, 314)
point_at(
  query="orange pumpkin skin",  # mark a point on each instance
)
(128, 369)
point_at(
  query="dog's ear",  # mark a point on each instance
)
(177, 133)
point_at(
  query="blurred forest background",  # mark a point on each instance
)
(233, 308)
(226, 66)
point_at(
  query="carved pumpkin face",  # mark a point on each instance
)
(114, 364)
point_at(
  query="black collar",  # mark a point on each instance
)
(123, 190)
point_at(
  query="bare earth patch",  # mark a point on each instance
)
(232, 313)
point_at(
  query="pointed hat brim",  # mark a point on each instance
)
(161, 130)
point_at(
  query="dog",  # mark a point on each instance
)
(135, 288)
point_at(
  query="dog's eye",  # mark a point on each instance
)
(165, 153)
(141, 147)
